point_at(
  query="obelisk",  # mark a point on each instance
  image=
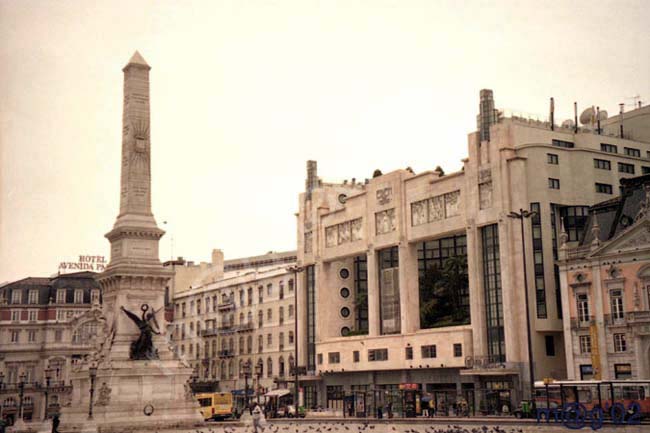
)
(133, 389)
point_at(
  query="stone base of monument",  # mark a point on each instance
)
(131, 396)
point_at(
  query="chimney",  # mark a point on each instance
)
(312, 177)
(487, 114)
(552, 114)
(217, 264)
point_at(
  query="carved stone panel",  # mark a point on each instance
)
(355, 230)
(485, 195)
(436, 208)
(384, 196)
(385, 221)
(331, 235)
(419, 212)
(452, 202)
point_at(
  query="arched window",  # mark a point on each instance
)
(214, 348)
(250, 296)
(291, 364)
(241, 318)
(241, 345)
(281, 315)
(241, 369)
(9, 403)
(260, 318)
(231, 346)
(291, 286)
(281, 289)
(249, 318)
(249, 344)
(269, 314)
(260, 343)
(231, 367)
(281, 367)
(241, 298)
(260, 294)
(224, 345)
(223, 370)
(269, 367)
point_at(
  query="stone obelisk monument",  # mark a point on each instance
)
(139, 383)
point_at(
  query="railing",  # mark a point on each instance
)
(488, 362)
(612, 320)
(225, 353)
(638, 317)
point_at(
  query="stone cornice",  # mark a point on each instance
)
(135, 232)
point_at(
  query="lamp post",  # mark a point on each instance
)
(295, 270)
(92, 371)
(48, 375)
(521, 215)
(258, 373)
(21, 391)
(247, 373)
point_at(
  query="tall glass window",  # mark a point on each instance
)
(616, 299)
(538, 259)
(443, 282)
(583, 307)
(493, 296)
(556, 268)
(574, 219)
(361, 294)
(311, 317)
(389, 290)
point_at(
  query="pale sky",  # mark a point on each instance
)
(244, 92)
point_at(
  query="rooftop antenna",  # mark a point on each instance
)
(635, 101)
(622, 110)
(552, 116)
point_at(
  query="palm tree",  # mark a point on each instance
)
(442, 292)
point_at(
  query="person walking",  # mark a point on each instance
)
(258, 419)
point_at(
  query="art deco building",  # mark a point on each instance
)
(47, 325)
(414, 283)
(233, 312)
(605, 279)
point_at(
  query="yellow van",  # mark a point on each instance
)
(217, 405)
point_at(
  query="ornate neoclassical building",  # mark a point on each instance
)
(47, 326)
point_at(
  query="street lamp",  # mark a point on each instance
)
(247, 373)
(21, 391)
(92, 371)
(48, 375)
(295, 270)
(258, 373)
(523, 214)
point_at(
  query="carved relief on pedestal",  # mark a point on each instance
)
(104, 396)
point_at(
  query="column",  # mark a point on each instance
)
(373, 295)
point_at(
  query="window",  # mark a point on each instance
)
(620, 344)
(241, 298)
(291, 286)
(281, 293)
(355, 356)
(269, 314)
(625, 168)
(360, 294)
(198, 306)
(345, 331)
(602, 164)
(15, 336)
(183, 309)
(33, 297)
(290, 337)
(320, 358)
(538, 257)
(609, 148)
(585, 344)
(78, 296)
(260, 318)
(429, 351)
(550, 345)
(260, 294)
(58, 335)
(645, 170)
(15, 315)
(586, 372)
(290, 311)
(94, 296)
(31, 336)
(345, 312)
(562, 143)
(16, 296)
(623, 371)
(378, 355)
(553, 183)
(281, 315)
(603, 188)
(632, 152)
(458, 350)
(334, 357)
(281, 341)
(552, 158)
(269, 367)
(616, 303)
(33, 315)
(269, 289)
(583, 308)
(493, 294)
(408, 352)
(60, 296)
(250, 295)
(575, 218)
(269, 339)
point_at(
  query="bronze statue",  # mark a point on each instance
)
(143, 347)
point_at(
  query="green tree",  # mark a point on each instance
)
(441, 294)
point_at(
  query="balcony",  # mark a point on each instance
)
(581, 324)
(611, 320)
(225, 354)
(638, 317)
(226, 306)
(211, 332)
(246, 327)
(226, 328)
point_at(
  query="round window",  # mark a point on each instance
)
(345, 312)
(345, 292)
(345, 331)
(343, 198)
(344, 273)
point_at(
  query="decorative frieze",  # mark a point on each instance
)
(384, 196)
(342, 233)
(485, 188)
(385, 221)
(435, 208)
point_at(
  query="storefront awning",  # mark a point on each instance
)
(277, 393)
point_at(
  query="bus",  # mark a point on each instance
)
(594, 393)
(215, 405)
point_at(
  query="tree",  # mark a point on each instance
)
(442, 292)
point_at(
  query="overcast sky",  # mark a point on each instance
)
(243, 93)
